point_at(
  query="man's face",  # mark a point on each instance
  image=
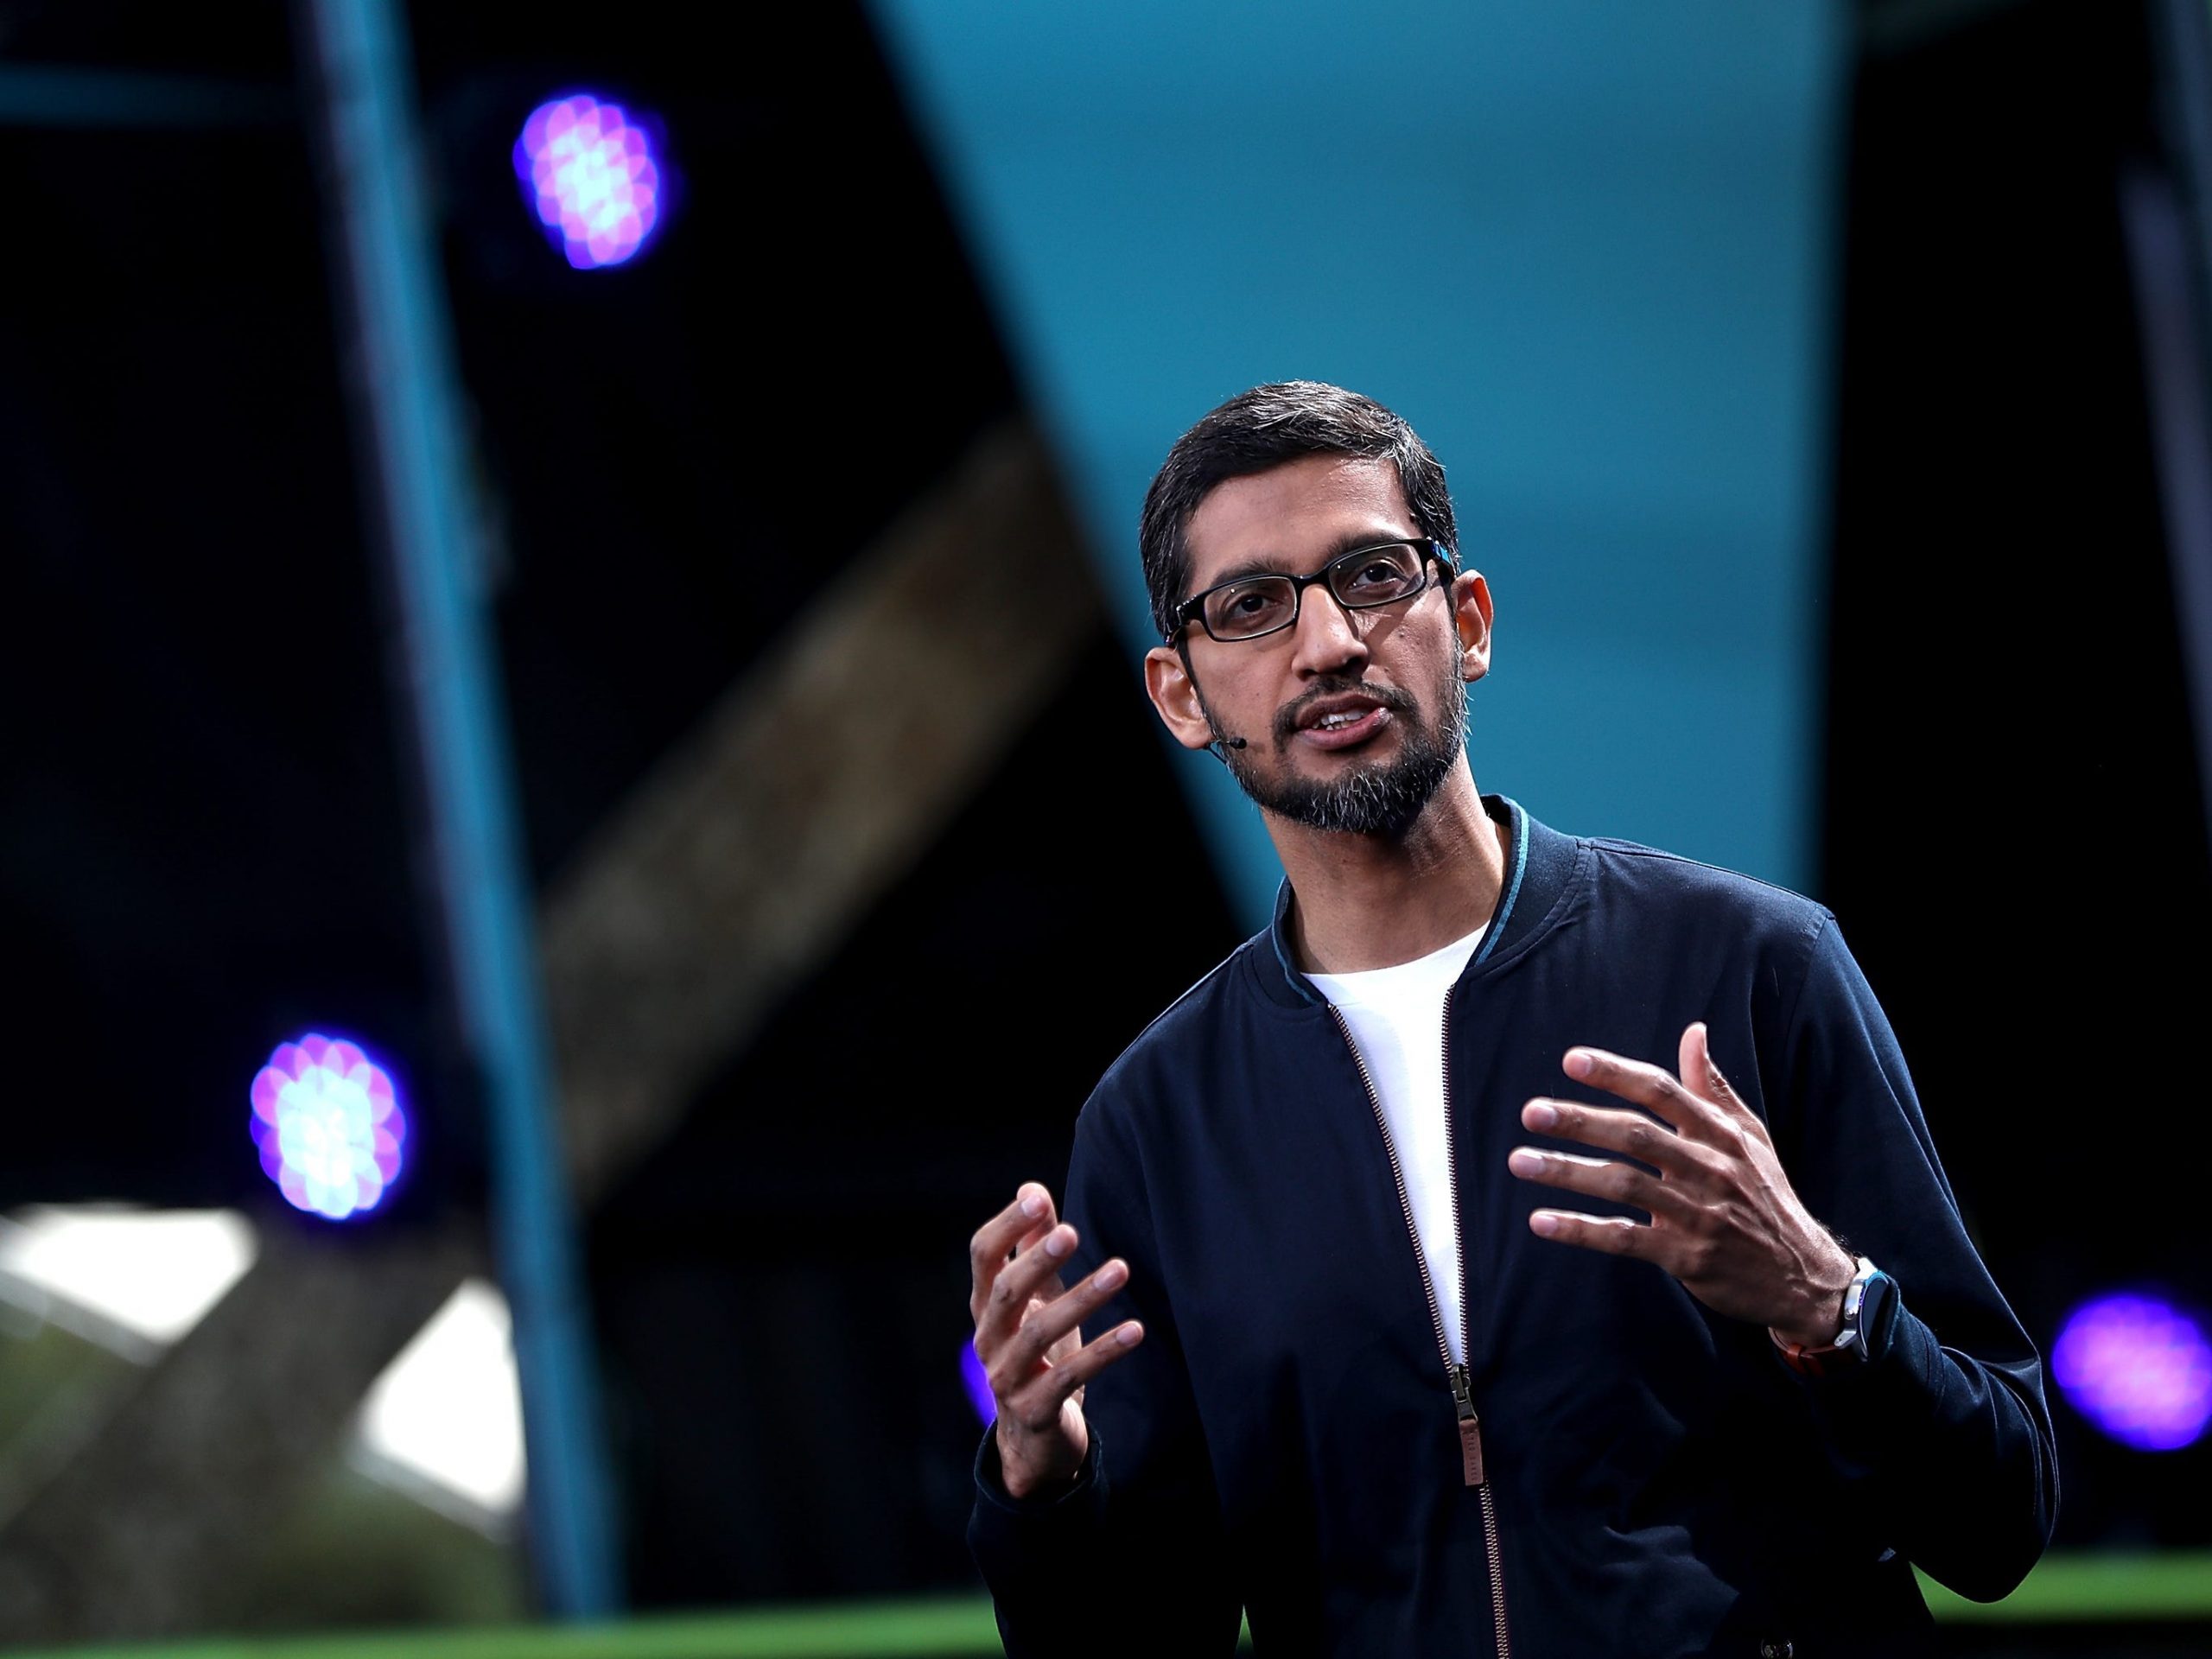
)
(1350, 719)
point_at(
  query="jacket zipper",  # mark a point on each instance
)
(1462, 1398)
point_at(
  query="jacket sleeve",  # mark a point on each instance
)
(1946, 1436)
(1131, 1556)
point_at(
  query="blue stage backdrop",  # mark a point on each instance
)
(1588, 249)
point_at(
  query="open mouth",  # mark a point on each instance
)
(1345, 731)
(1342, 719)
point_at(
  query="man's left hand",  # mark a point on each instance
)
(1723, 1219)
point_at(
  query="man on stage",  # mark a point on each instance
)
(1527, 1242)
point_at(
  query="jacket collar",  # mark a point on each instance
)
(1540, 863)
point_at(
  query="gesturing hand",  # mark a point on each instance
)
(1723, 1218)
(1028, 1335)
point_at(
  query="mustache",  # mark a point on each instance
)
(1287, 718)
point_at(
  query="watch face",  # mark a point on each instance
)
(1872, 1325)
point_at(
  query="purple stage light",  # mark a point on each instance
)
(330, 1128)
(977, 1382)
(591, 174)
(2139, 1367)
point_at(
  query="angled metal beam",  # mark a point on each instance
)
(55, 95)
(738, 867)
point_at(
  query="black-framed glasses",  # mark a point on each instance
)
(1251, 607)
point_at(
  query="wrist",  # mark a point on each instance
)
(1870, 1305)
(1820, 1317)
(1026, 1475)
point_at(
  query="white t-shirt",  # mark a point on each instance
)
(1396, 1016)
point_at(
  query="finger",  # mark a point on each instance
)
(1610, 1235)
(1037, 1404)
(1001, 1236)
(1652, 1087)
(1043, 1326)
(1597, 1177)
(1035, 1272)
(1631, 1132)
(996, 1239)
(1697, 1062)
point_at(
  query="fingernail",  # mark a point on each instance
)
(1543, 1225)
(1525, 1162)
(1127, 1335)
(1058, 1243)
(1033, 1205)
(1577, 1065)
(1112, 1275)
(1540, 1114)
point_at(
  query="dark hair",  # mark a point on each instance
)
(1262, 429)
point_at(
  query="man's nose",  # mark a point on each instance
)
(1329, 639)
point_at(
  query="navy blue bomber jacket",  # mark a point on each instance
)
(1655, 1480)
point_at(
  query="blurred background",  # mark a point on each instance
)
(575, 806)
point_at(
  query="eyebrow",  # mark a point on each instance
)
(1264, 566)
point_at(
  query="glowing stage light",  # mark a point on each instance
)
(2138, 1368)
(977, 1383)
(591, 174)
(329, 1127)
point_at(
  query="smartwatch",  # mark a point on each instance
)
(1867, 1302)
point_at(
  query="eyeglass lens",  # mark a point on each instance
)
(1371, 576)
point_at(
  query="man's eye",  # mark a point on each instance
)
(1378, 573)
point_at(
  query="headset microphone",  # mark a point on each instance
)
(1234, 743)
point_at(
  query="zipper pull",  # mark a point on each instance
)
(1470, 1428)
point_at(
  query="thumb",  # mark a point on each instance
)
(1698, 1073)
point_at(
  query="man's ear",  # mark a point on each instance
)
(1470, 615)
(1174, 697)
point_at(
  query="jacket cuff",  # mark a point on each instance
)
(1863, 1403)
(1035, 1553)
(1081, 1497)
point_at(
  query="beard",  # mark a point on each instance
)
(1382, 798)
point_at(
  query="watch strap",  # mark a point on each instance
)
(1818, 1359)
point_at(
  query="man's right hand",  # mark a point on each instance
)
(1029, 1336)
